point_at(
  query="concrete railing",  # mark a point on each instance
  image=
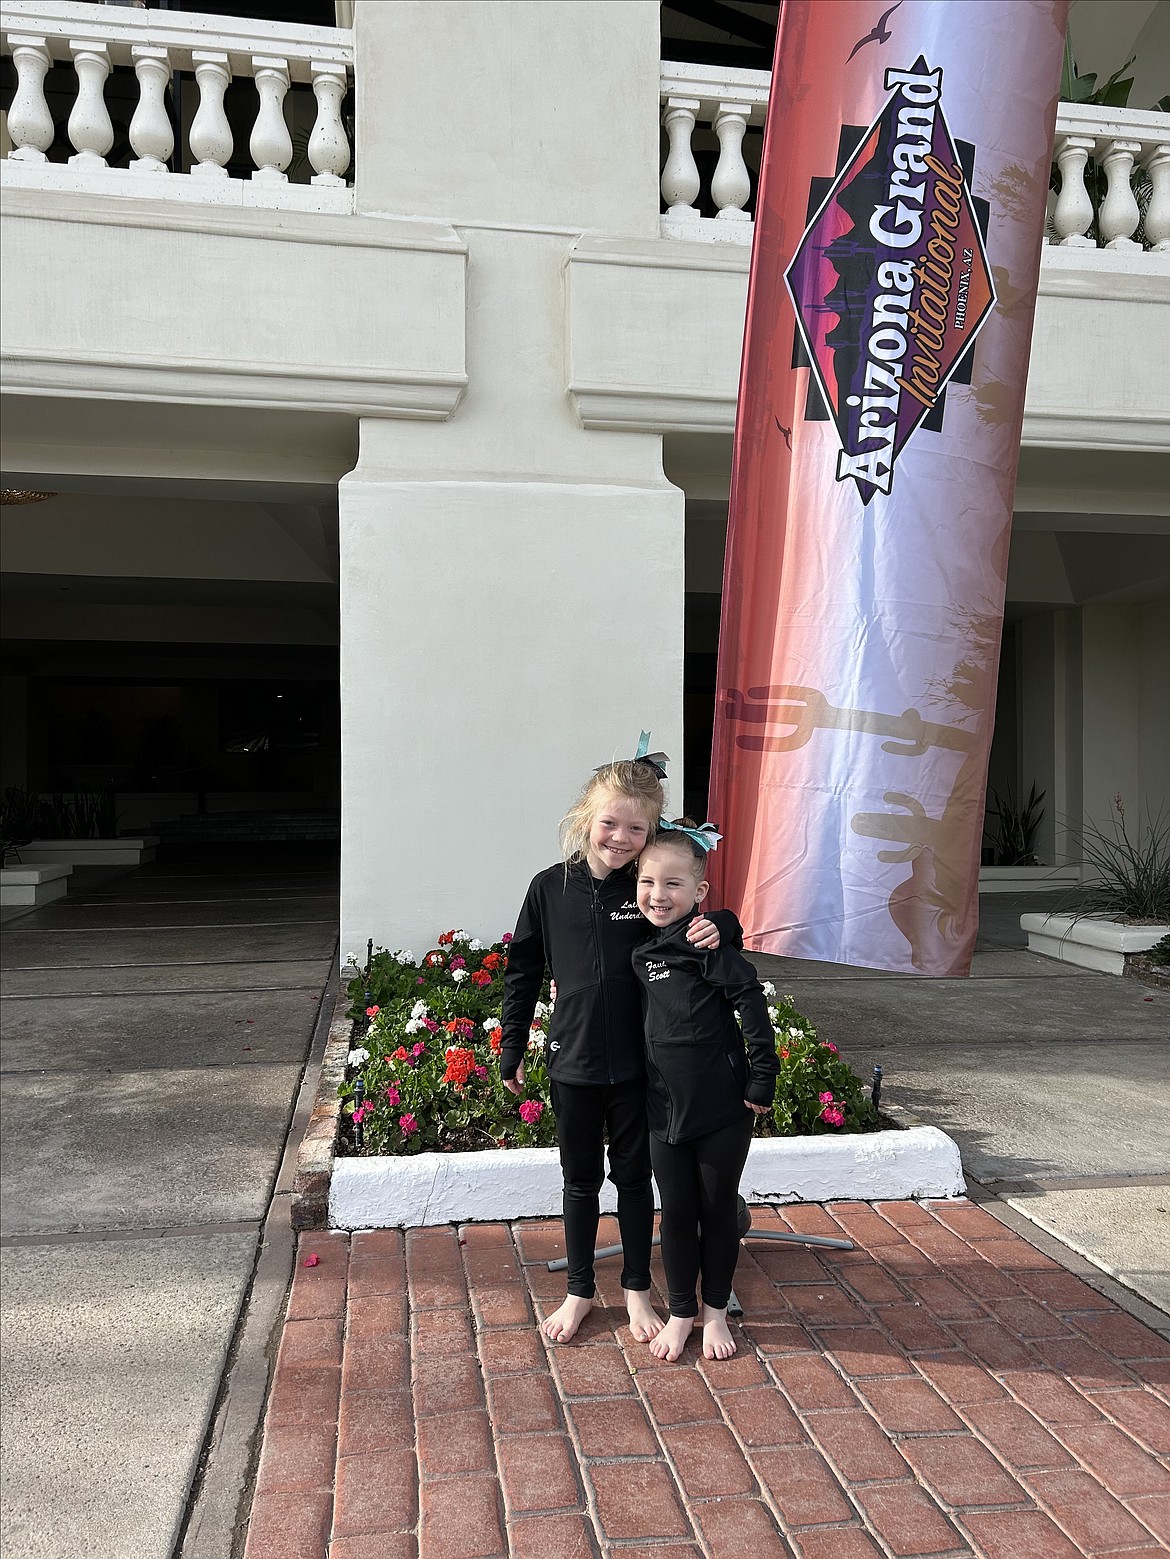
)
(1112, 165)
(166, 149)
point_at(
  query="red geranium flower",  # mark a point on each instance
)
(481, 977)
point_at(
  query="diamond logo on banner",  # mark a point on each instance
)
(890, 282)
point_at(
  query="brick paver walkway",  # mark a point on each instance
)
(943, 1389)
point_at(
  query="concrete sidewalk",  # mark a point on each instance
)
(944, 1389)
(1053, 1080)
(156, 1026)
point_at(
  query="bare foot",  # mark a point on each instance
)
(562, 1324)
(672, 1339)
(718, 1343)
(644, 1322)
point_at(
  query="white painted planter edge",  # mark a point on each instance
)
(438, 1188)
(1094, 931)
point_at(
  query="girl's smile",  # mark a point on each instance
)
(668, 889)
(618, 834)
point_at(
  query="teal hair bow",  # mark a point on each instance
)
(656, 761)
(705, 836)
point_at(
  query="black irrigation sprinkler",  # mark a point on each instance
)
(744, 1218)
(875, 1090)
(359, 1132)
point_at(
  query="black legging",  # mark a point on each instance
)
(699, 1182)
(585, 1116)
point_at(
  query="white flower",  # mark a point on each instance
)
(774, 1014)
(541, 1010)
(352, 958)
(419, 1010)
(491, 1024)
(536, 1039)
(413, 1026)
(769, 988)
(404, 956)
(796, 1033)
(475, 945)
(358, 1057)
(459, 975)
(459, 936)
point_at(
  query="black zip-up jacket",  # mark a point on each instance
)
(585, 930)
(697, 1075)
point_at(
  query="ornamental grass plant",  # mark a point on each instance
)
(423, 1072)
(1131, 876)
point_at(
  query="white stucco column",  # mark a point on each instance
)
(511, 583)
(498, 640)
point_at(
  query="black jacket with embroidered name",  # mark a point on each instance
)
(585, 930)
(697, 1075)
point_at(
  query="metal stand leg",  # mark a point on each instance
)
(745, 1228)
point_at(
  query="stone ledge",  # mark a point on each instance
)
(315, 1156)
(1090, 941)
(437, 1188)
(34, 885)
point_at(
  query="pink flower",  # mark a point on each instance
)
(393, 1097)
(431, 1025)
(481, 1072)
(312, 1261)
(407, 1125)
(417, 1050)
(420, 980)
(458, 963)
(531, 1111)
(825, 1098)
(832, 1116)
(825, 1045)
(506, 938)
(372, 1012)
(361, 1112)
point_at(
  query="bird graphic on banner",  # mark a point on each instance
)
(879, 33)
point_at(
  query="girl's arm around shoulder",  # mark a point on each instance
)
(720, 928)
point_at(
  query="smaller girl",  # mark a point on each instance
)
(702, 1092)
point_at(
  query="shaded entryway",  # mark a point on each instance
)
(156, 1030)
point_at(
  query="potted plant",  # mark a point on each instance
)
(1123, 908)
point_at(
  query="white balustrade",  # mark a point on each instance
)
(680, 175)
(1158, 210)
(151, 135)
(210, 136)
(90, 129)
(270, 142)
(731, 183)
(1110, 162)
(328, 144)
(157, 45)
(30, 125)
(719, 105)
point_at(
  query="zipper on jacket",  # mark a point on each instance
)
(595, 910)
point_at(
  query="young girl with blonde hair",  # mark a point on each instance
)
(580, 918)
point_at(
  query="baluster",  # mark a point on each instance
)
(680, 176)
(1074, 209)
(1158, 210)
(1119, 215)
(270, 142)
(90, 129)
(30, 123)
(328, 144)
(151, 135)
(731, 184)
(210, 138)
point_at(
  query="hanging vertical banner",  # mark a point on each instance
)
(899, 223)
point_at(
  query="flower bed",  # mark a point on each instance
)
(423, 1075)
